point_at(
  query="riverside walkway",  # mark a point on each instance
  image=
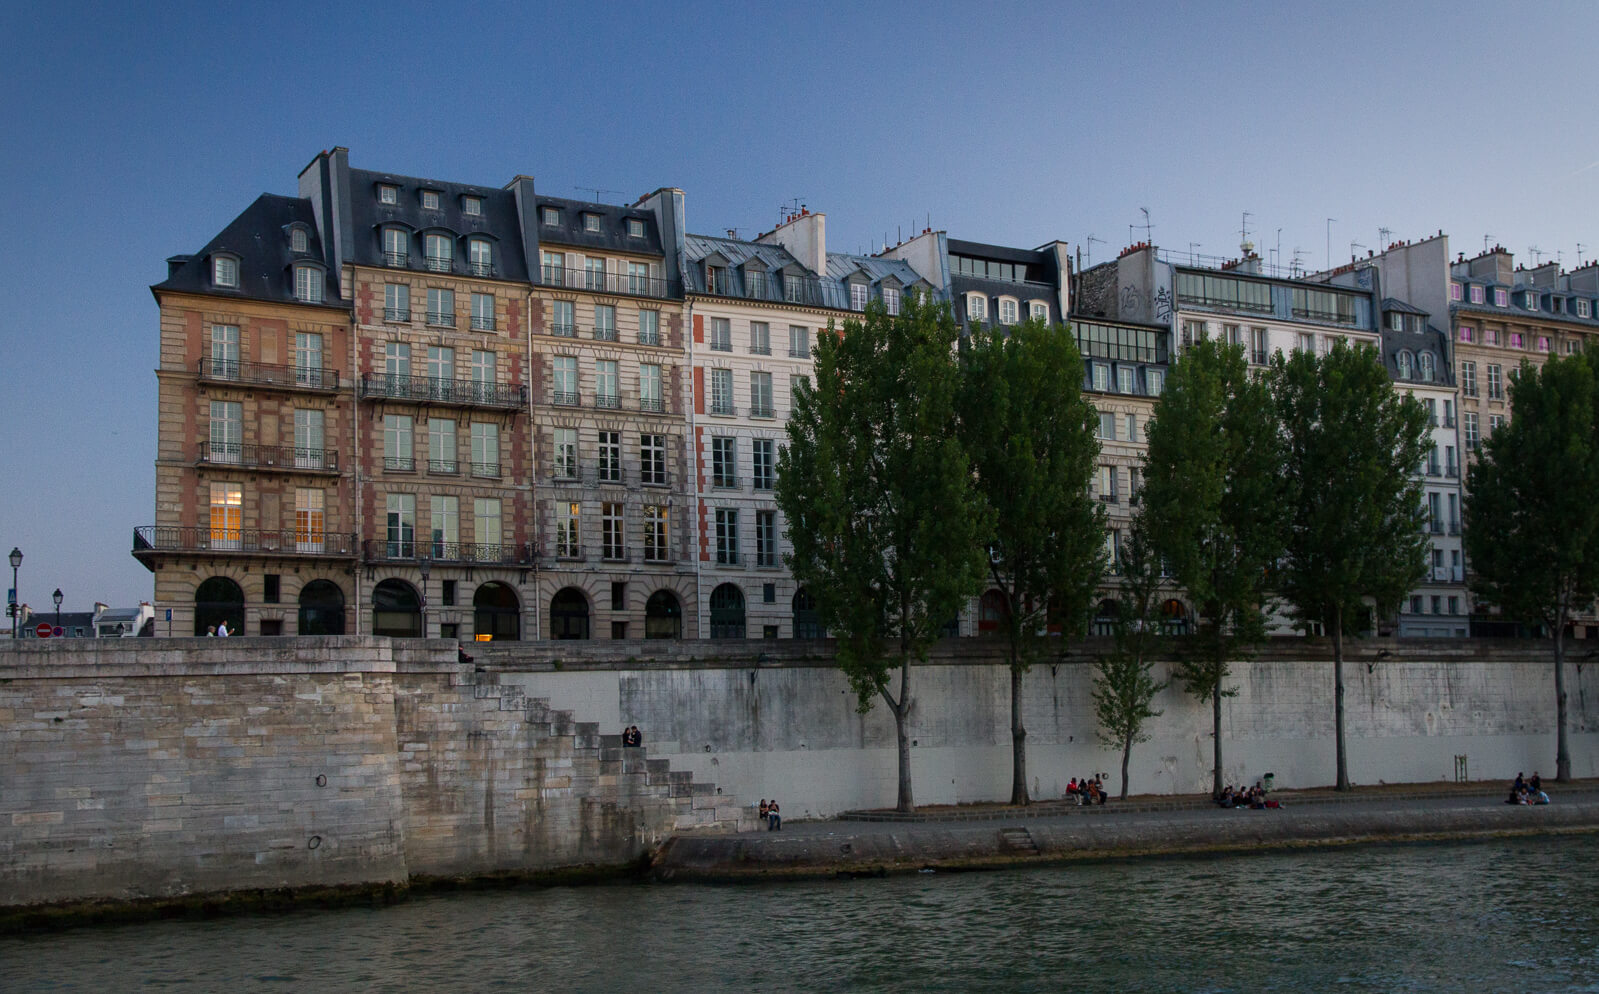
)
(992, 836)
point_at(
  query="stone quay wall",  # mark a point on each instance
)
(140, 769)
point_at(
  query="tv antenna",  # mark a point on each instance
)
(1536, 253)
(1329, 241)
(1295, 265)
(1148, 227)
(1579, 253)
(599, 193)
(1192, 255)
(1243, 231)
(1383, 235)
(1090, 243)
(1352, 246)
(790, 209)
(1485, 243)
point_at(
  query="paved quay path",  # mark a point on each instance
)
(1147, 827)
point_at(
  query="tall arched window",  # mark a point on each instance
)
(727, 612)
(663, 616)
(396, 610)
(1426, 366)
(497, 613)
(321, 609)
(569, 614)
(218, 600)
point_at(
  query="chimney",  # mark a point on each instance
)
(804, 235)
(176, 263)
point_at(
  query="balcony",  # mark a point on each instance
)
(149, 540)
(608, 400)
(618, 283)
(397, 315)
(1452, 471)
(484, 269)
(441, 319)
(478, 553)
(1435, 527)
(604, 333)
(315, 378)
(760, 348)
(565, 398)
(1454, 528)
(1440, 574)
(431, 390)
(798, 353)
(399, 464)
(652, 405)
(397, 260)
(721, 345)
(482, 322)
(723, 407)
(438, 264)
(1449, 421)
(1110, 498)
(279, 458)
(564, 329)
(443, 467)
(1258, 357)
(486, 470)
(762, 411)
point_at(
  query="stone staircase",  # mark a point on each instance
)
(1017, 841)
(621, 773)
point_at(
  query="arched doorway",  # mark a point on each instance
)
(991, 613)
(727, 612)
(321, 609)
(218, 600)
(396, 610)
(1175, 617)
(1105, 617)
(663, 616)
(569, 614)
(806, 623)
(496, 612)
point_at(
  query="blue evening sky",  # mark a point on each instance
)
(131, 132)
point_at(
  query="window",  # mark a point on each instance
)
(754, 282)
(308, 359)
(441, 446)
(299, 241)
(271, 588)
(400, 525)
(440, 369)
(485, 449)
(605, 384)
(1501, 297)
(227, 515)
(480, 256)
(797, 385)
(308, 284)
(1156, 381)
(594, 273)
(1232, 334)
(1468, 426)
(430, 200)
(483, 312)
(310, 438)
(396, 247)
(1543, 343)
(1107, 426)
(1476, 294)
(1467, 333)
(763, 463)
(613, 543)
(727, 536)
(1396, 321)
(652, 460)
(760, 338)
(565, 369)
(482, 374)
(1126, 379)
(1224, 291)
(765, 538)
(1582, 308)
(564, 452)
(1516, 340)
(1130, 422)
(604, 323)
(551, 215)
(1491, 336)
(976, 308)
(227, 432)
(388, 194)
(441, 307)
(1007, 310)
(638, 277)
(225, 271)
(610, 457)
(1468, 379)
(890, 300)
(635, 227)
(444, 533)
(1193, 331)
(1494, 422)
(1426, 366)
(396, 360)
(1495, 383)
(567, 530)
(472, 205)
(1530, 299)
(724, 462)
(1106, 483)
(1454, 291)
(397, 455)
(654, 533)
(396, 302)
(1038, 309)
(857, 296)
(591, 222)
(799, 341)
(721, 391)
(1307, 343)
(439, 252)
(722, 334)
(1101, 376)
(761, 395)
(649, 327)
(1257, 346)
(561, 321)
(1454, 605)
(1415, 604)
(649, 388)
(225, 351)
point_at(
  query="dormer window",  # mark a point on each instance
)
(225, 271)
(1396, 321)
(754, 282)
(1007, 310)
(1406, 364)
(1501, 297)
(388, 194)
(308, 284)
(551, 215)
(1454, 291)
(440, 250)
(591, 223)
(1426, 365)
(635, 227)
(396, 247)
(1476, 294)
(1038, 310)
(1582, 308)
(890, 300)
(1531, 301)
(480, 256)
(298, 242)
(976, 308)
(857, 296)
(430, 200)
(716, 279)
(472, 206)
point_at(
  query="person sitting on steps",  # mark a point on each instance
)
(774, 821)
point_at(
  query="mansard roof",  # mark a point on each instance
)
(260, 240)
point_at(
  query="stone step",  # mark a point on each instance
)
(1017, 840)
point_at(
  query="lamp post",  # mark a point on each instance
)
(57, 598)
(16, 561)
(426, 566)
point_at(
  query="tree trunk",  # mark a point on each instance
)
(1562, 747)
(1018, 734)
(1127, 751)
(1215, 724)
(901, 708)
(1338, 700)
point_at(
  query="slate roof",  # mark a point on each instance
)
(259, 237)
(1432, 340)
(612, 236)
(498, 221)
(1395, 304)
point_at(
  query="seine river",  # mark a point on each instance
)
(1500, 916)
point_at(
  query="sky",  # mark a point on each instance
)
(133, 132)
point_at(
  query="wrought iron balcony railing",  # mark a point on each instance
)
(286, 458)
(432, 390)
(269, 375)
(598, 282)
(377, 550)
(242, 541)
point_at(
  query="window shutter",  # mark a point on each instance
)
(574, 269)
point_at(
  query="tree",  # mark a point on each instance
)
(1124, 686)
(1531, 522)
(1351, 496)
(1210, 496)
(882, 509)
(1030, 436)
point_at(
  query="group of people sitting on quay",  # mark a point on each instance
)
(1246, 797)
(1086, 791)
(1527, 791)
(771, 816)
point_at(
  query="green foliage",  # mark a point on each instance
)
(1124, 685)
(1350, 493)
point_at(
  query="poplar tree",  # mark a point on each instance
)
(1211, 504)
(1030, 436)
(882, 509)
(1531, 520)
(1353, 502)
(1124, 686)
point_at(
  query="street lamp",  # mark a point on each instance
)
(57, 598)
(426, 566)
(16, 561)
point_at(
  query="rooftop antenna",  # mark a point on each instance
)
(1329, 241)
(1536, 253)
(1243, 232)
(599, 193)
(1277, 253)
(1383, 235)
(1090, 243)
(1560, 259)
(1485, 243)
(789, 209)
(1192, 255)
(732, 232)
(1352, 246)
(1579, 254)
(1293, 267)
(1146, 225)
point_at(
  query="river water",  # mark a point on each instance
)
(1493, 916)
